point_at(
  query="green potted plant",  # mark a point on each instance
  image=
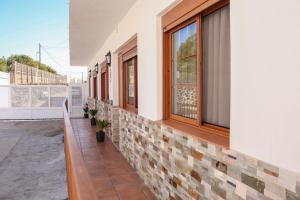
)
(93, 113)
(86, 110)
(101, 124)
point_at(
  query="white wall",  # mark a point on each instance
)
(4, 78)
(265, 87)
(141, 19)
(265, 80)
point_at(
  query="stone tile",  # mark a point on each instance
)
(253, 183)
(180, 167)
(298, 188)
(196, 154)
(291, 195)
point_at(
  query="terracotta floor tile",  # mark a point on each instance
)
(112, 197)
(106, 192)
(132, 197)
(116, 171)
(98, 173)
(112, 175)
(122, 179)
(149, 195)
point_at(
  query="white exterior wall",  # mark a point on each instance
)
(265, 81)
(265, 87)
(141, 19)
(4, 78)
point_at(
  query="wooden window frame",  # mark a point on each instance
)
(128, 106)
(89, 79)
(126, 52)
(104, 81)
(185, 13)
(95, 85)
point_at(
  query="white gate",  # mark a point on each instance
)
(76, 100)
(39, 101)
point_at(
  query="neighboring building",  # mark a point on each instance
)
(202, 95)
(21, 74)
(4, 78)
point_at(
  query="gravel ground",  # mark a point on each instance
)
(32, 160)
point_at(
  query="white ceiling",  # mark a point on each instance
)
(90, 23)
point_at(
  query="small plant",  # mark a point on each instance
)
(102, 124)
(93, 113)
(86, 110)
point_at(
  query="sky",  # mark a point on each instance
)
(26, 23)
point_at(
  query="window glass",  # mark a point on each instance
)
(184, 71)
(103, 86)
(130, 81)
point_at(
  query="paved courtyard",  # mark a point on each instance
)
(32, 162)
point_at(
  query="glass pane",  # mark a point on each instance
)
(39, 97)
(216, 68)
(130, 81)
(184, 68)
(103, 86)
(192, 70)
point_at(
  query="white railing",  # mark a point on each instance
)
(38, 101)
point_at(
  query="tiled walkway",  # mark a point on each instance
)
(112, 175)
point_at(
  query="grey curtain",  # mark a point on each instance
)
(216, 67)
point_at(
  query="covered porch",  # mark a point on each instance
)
(112, 176)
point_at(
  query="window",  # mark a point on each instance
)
(89, 80)
(104, 82)
(95, 85)
(128, 81)
(197, 69)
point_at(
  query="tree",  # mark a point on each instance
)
(27, 60)
(3, 65)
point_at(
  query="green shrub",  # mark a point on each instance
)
(93, 112)
(102, 124)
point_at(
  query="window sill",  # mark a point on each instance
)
(133, 111)
(207, 134)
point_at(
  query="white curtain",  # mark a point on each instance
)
(216, 67)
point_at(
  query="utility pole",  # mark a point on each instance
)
(40, 55)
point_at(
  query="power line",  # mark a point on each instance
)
(59, 44)
(52, 57)
(56, 47)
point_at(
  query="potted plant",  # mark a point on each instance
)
(85, 110)
(100, 135)
(93, 113)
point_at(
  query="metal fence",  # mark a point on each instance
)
(39, 101)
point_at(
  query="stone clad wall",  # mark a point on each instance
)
(110, 113)
(91, 102)
(180, 167)
(175, 166)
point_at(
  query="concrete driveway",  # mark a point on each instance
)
(32, 160)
